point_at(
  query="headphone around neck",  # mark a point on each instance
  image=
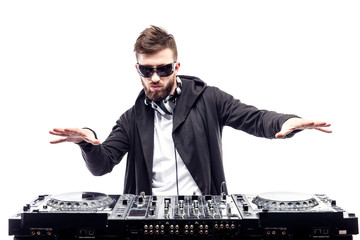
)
(167, 105)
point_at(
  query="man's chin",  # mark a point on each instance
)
(155, 97)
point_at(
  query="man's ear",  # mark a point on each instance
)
(177, 67)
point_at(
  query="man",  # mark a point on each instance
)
(172, 134)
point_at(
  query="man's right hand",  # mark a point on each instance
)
(75, 135)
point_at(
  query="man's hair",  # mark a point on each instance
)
(153, 40)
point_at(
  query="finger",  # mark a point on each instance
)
(58, 133)
(322, 124)
(74, 131)
(305, 125)
(313, 125)
(326, 130)
(60, 140)
(59, 130)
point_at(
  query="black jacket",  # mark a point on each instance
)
(200, 115)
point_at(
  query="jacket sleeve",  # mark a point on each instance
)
(261, 123)
(100, 159)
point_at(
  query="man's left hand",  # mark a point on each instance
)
(293, 124)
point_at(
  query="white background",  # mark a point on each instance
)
(71, 64)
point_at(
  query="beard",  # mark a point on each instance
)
(161, 94)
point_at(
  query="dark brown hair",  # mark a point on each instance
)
(153, 40)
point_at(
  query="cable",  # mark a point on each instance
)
(223, 188)
(176, 167)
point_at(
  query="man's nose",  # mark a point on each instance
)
(155, 78)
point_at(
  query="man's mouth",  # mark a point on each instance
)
(155, 87)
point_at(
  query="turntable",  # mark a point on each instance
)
(285, 201)
(80, 201)
(298, 216)
(89, 215)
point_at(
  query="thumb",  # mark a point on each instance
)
(282, 133)
(279, 135)
(92, 140)
(95, 142)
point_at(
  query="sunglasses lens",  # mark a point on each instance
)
(165, 71)
(145, 71)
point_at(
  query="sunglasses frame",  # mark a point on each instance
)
(155, 69)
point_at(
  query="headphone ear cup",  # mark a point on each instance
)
(178, 89)
(168, 104)
(179, 82)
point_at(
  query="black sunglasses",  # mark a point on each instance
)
(162, 71)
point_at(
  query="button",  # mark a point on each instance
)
(26, 207)
(41, 197)
(245, 207)
(152, 212)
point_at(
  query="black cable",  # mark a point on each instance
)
(223, 188)
(176, 167)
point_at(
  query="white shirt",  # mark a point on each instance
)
(168, 168)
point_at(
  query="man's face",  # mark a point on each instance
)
(158, 88)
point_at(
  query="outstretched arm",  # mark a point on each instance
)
(294, 124)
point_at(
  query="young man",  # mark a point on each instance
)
(172, 134)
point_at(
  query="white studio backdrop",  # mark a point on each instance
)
(71, 64)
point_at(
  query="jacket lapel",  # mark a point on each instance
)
(145, 126)
(190, 92)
